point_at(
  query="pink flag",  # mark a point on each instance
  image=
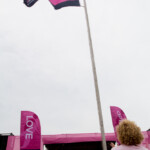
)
(30, 133)
(63, 3)
(117, 115)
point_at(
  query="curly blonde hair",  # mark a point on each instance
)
(129, 133)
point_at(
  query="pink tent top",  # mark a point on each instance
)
(14, 141)
(75, 138)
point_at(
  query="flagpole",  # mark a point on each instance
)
(95, 80)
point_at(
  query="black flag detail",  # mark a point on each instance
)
(30, 3)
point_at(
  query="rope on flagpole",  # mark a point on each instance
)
(95, 80)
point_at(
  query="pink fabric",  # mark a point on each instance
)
(55, 2)
(117, 115)
(145, 141)
(124, 147)
(10, 143)
(14, 141)
(30, 136)
(74, 138)
(148, 132)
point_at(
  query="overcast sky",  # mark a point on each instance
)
(45, 64)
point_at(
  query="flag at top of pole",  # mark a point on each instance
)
(30, 3)
(64, 3)
(56, 3)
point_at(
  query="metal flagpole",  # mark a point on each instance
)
(95, 80)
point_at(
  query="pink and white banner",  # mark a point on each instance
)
(117, 115)
(30, 133)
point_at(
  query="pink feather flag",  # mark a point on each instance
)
(30, 132)
(117, 115)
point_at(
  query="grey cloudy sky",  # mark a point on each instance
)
(45, 64)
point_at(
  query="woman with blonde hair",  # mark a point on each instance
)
(129, 135)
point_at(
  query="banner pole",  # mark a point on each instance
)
(95, 80)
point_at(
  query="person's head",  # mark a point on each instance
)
(129, 133)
